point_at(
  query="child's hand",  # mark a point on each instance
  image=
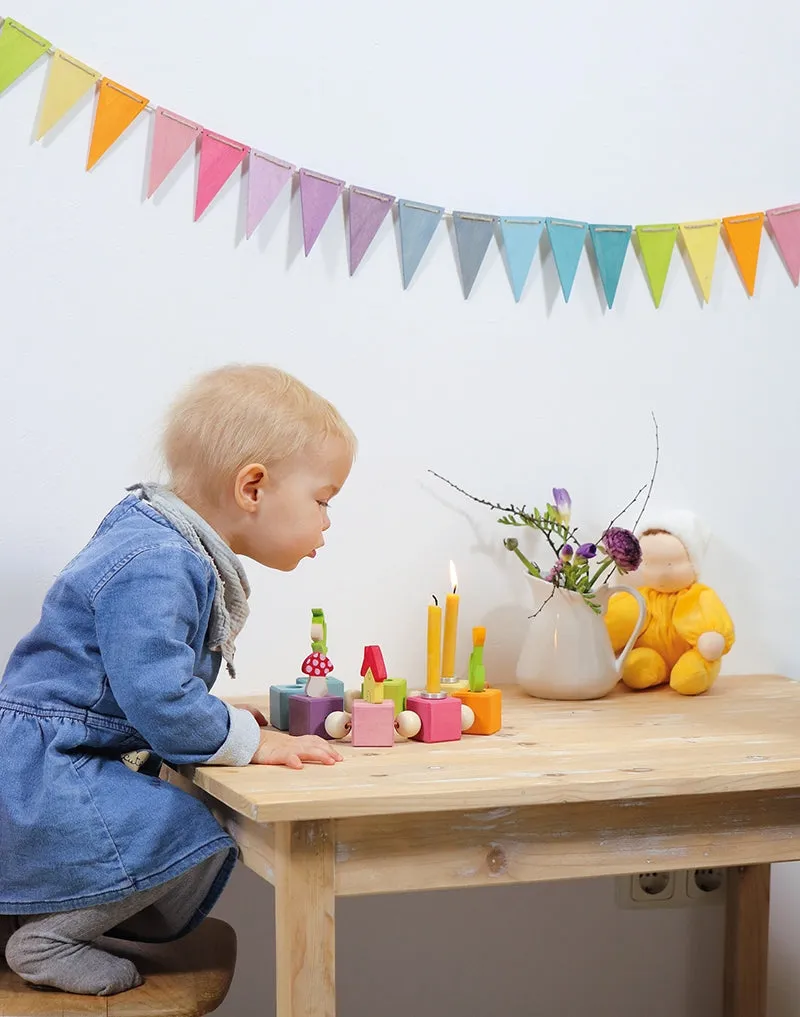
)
(262, 720)
(278, 749)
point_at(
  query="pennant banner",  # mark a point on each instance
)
(566, 238)
(520, 237)
(172, 138)
(473, 235)
(610, 247)
(700, 240)
(266, 178)
(656, 244)
(20, 48)
(219, 157)
(115, 111)
(67, 82)
(318, 195)
(784, 224)
(116, 108)
(417, 225)
(366, 212)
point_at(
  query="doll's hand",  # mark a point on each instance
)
(262, 720)
(711, 646)
(278, 749)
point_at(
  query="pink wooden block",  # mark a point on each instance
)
(441, 718)
(373, 723)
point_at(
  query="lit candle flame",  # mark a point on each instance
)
(453, 577)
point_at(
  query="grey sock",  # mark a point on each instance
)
(57, 950)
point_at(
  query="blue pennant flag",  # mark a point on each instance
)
(566, 239)
(417, 225)
(473, 233)
(610, 246)
(520, 240)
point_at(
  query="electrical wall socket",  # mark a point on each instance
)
(660, 888)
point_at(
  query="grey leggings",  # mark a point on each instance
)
(57, 951)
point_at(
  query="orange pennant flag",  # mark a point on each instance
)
(115, 111)
(744, 235)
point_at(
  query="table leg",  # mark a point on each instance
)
(304, 919)
(747, 941)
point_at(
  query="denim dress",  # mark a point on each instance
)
(117, 662)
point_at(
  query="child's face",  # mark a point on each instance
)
(285, 510)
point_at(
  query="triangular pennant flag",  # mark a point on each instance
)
(318, 195)
(473, 233)
(172, 138)
(566, 239)
(784, 224)
(115, 111)
(219, 157)
(417, 225)
(521, 237)
(656, 244)
(610, 247)
(68, 80)
(744, 234)
(266, 178)
(20, 48)
(366, 212)
(701, 239)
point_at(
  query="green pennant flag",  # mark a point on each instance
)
(20, 48)
(656, 244)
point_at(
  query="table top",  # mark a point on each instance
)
(742, 735)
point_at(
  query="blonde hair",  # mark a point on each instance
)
(240, 414)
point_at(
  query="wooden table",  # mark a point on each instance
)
(630, 783)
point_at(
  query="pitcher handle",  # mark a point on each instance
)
(637, 631)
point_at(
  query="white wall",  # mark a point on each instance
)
(619, 112)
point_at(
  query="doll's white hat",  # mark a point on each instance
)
(685, 525)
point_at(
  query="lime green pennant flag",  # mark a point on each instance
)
(656, 244)
(20, 48)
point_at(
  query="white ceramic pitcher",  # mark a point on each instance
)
(567, 653)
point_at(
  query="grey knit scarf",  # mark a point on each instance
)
(230, 609)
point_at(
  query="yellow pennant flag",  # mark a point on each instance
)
(67, 82)
(701, 240)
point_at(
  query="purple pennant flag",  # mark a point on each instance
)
(266, 177)
(367, 211)
(318, 195)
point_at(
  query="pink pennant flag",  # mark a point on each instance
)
(219, 157)
(784, 224)
(266, 177)
(172, 138)
(366, 213)
(318, 195)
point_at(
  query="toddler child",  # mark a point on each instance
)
(121, 662)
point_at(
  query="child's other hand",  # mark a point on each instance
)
(278, 749)
(260, 718)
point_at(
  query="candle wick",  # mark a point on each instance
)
(436, 602)
(454, 589)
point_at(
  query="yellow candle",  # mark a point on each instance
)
(433, 683)
(450, 628)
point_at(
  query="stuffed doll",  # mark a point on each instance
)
(687, 630)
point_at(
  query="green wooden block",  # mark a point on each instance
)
(395, 689)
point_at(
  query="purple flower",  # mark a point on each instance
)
(563, 504)
(586, 551)
(623, 549)
(565, 554)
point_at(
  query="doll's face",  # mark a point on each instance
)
(665, 564)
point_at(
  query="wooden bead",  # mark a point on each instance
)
(337, 724)
(408, 724)
(467, 717)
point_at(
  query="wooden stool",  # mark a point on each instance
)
(186, 978)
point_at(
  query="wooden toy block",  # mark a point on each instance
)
(279, 699)
(307, 714)
(373, 671)
(372, 723)
(395, 689)
(488, 709)
(441, 718)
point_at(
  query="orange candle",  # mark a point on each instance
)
(433, 682)
(450, 627)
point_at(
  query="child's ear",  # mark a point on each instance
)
(249, 486)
